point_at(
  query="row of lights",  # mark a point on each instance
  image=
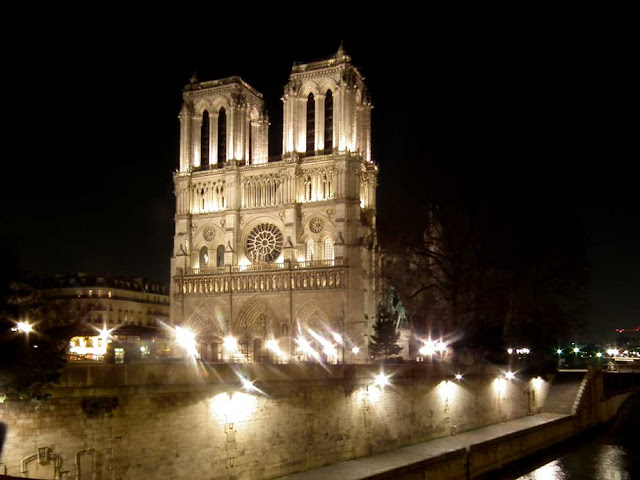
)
(187, 340)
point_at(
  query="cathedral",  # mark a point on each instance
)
(275, 259)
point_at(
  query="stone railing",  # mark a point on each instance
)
(338, 262)
(313, 275)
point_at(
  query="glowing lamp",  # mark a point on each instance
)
(247, 384)
(458, 376)
(187, 340)
(559, 352)
(355, 350)
(510, 375)
(381, 380)
(576, 349)
(337, 337)
(599, 354)
(509, 351)
(230, 344)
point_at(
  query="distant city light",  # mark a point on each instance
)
(509, 351)
(576, 350)
(24, 327)
(559, 351)
(599, 354)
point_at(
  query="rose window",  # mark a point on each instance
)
(264, 243)
(316, 225)
(209, 233)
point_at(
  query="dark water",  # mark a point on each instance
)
(609, 453)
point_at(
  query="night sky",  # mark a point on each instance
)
(539, 117)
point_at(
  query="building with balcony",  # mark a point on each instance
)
(103, 301)
(277, 249)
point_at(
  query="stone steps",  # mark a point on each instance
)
(565, 392)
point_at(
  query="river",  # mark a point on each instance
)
(611, 452)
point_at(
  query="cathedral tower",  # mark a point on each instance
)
(285, 249)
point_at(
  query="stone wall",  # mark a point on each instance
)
(174, 421)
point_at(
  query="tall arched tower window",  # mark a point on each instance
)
(311, 123)
(328, 122)
(204, 257)
(220, 256)
(311, 246)
(204, 139)
(250, 155)
(222, 136)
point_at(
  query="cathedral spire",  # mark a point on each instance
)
(340, 51)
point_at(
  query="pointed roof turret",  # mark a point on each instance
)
(340, 51)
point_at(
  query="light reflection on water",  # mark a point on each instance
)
(609, 464)
(550, 471)
(612, 453)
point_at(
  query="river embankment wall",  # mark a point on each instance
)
(143, 421)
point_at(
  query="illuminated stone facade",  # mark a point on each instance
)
(104, 301)
(272, 248)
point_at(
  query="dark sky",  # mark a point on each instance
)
(540, 114)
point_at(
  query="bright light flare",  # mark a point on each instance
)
(510, 375)
(305, 347)
(24, 327)
(458, 376)
(337, 337)
(559, 351)
(500, 385)
(537, 382)
(576, 350)
(381, 380)
(441, 347)
(509, 351)
(273, 346)
(330, 350)
(187, 340)
(429, 348)
(355, 350)
(247, 384)
(599, 354)
(230, 344)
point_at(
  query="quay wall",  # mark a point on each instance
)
(179, 420)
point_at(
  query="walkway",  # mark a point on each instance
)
(382, 463)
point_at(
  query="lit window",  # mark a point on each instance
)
(310, 251)
(328, 248)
